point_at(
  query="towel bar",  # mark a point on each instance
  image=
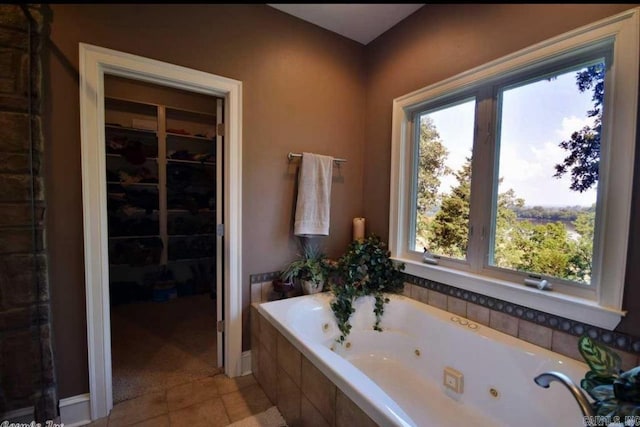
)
(291, 155)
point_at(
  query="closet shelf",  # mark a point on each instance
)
(192, 235)
(205, 210)
(193, 162)
(197, 138)
(131, 130)
(191, 259)
(148, 236)
(127, 265)
(124, 184)
(120, 155)
(134, 209)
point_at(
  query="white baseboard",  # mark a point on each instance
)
(75, 410)
(20, 416)
(245, 362)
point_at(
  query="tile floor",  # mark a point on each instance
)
(158, 345)
(214, 401)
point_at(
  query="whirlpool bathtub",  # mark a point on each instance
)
(397, 376)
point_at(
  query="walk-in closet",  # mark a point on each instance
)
(163, 194)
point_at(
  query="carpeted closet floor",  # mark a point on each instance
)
(158, 345)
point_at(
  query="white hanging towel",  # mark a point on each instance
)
(314, 195)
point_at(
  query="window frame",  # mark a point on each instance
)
(599, 305)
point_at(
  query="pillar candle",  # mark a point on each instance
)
(358, 228)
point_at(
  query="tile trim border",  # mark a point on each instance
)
(612, 339)
(263, 277)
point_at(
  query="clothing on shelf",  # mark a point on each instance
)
(191, 247)
(193, 223)
(119, 197)
(135, 251)
(134, 150)
(119, 227)
(187, 155)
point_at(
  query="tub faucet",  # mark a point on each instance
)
(543, 380)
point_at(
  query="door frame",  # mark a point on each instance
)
(94, 63)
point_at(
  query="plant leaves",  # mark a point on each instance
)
(365, 269)
(602, 361)
(627, 386)
(602, 392)
(592, 380)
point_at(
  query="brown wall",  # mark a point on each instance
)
(303, 89)
(440, 41)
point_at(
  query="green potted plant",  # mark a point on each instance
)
(310, 270)
(365, 269)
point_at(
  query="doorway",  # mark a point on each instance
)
(95, 63)
(164, 200)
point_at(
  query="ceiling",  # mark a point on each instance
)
(359, 22)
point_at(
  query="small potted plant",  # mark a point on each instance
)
(310, 270)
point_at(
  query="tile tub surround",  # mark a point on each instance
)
(262, 288)
(543, 329)
(303, 394)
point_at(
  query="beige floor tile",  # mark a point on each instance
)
(101, 422)
(161, 421)
(247, 401)
(191, 393)
(156, 346)
(206, 414)
(139, 409)
(228, 385)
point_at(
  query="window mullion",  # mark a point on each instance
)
(481, 181)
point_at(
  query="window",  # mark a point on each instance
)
(546, 175)
(442, 177)
(522, 170)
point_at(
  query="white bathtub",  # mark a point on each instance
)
(396, 376)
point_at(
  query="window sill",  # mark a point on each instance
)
(552, 302)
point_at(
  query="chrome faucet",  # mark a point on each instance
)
(543, 380)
